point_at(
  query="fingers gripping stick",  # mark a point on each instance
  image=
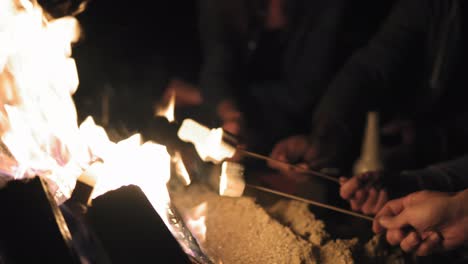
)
(289, 167)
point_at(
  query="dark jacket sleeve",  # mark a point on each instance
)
(451, 176)
(368, 76)
(219, 48)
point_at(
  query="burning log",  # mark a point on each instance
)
(167, 135)
(212, 145)
(32, 228)
(130, 230)
(75, 209)
(81, 195)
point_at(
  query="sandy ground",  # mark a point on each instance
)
(240, 231)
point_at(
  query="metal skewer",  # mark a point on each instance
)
(330, 207)
(289, 166)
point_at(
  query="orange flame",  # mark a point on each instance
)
(38, 116)
(38, 121)
(195, 221)
(167, 110)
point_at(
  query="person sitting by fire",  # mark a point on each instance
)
(424, 40)
(413, 69)
(266, 63)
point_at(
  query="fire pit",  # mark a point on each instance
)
(238, 230)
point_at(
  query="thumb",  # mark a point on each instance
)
(349, 188)
(394, 222)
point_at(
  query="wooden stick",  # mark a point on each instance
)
(289, 166)
(330, 207)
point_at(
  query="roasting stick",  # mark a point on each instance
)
(330, 207)
(289, 166)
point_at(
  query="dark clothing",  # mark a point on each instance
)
(451, 176)
(418, 58)
(277, 77)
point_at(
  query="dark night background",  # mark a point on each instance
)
(129, 50)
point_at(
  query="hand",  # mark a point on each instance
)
(294, 150)
(436, 221)
(363, 193)
(231, 118)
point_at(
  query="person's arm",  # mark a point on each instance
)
(450, 176)
(369, 76)
(219, 50)
(314, 53)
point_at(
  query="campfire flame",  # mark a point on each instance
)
(180, 169)
(231, 181)
(38, 120)
(39, 130)
(196, 222)
(167, 109)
